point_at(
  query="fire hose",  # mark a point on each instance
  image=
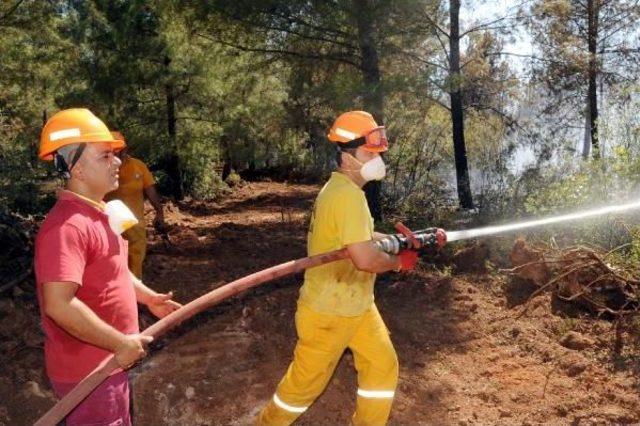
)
(425, 240)
(392, 244)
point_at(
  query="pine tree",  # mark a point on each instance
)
(586, 46)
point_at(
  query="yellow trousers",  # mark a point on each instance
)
(137, 238)
(322, 339)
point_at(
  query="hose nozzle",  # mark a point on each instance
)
(430, 238)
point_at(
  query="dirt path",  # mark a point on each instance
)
(466, 358)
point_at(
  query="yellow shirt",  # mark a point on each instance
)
(340, 217)
(134, 177)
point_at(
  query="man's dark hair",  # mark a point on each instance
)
(339, 152)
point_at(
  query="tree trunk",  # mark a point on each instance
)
(173, 159)
(227, 165)
(593, 9)
(457, 114)
(45, 115)
(586, 142)
(373, 95)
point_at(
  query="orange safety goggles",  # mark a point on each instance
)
(374, 140)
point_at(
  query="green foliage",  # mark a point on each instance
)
(254, 86)
(414, 187)
(629, 256)
(233, 179)
(595, 184)
(34, 58)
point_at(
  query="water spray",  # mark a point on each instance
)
(427, 239)
(501, 229)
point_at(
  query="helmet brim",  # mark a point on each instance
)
(116, 144)
(375, 149)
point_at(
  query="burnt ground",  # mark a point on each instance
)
(469, 352)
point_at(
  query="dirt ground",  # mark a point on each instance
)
(468, 353)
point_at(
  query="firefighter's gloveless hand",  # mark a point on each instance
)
(131, 349)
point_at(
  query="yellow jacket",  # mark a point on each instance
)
(341, 217)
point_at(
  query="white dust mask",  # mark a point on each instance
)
(120, 217)
(373, 169)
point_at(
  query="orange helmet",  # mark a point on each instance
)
(358, 128)
(118, 136)
(70, 126)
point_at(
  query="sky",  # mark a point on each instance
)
(474, 12)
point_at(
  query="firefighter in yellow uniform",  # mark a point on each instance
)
(336, 309)
(136, 182)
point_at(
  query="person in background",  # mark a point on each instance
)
(136, 182)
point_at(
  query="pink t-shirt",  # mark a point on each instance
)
(76, 244)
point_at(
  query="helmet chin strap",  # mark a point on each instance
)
(61, 164)
(76, 155)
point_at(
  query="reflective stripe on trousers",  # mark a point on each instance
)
(375, 394)
(288, 407)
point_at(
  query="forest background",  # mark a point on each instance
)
(505, 108)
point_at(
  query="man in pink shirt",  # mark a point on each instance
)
(88, 297)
